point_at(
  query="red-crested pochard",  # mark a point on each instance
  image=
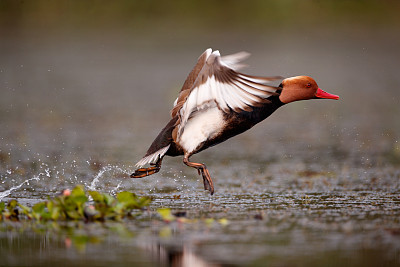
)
(217, 102)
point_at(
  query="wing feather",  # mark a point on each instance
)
(214, 81)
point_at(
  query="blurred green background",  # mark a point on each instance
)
(207, 16)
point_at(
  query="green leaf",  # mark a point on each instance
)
(119, 208)
(55, 213)
(39, 207)
(12, 205)
(2, 206)
(97, 197)
(209, 221)
(108, 199)
(223, 221)
(166, 214)
(53, 210)
(126, 197)
(79, 200)
(72, 214)
(144, 201)
(78, 191)
(38, 210)
(50, 205)
(25, 210)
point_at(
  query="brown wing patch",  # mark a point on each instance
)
(188, 84)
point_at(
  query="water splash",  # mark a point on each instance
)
(115, 190)
(102, 171)
(8, 192)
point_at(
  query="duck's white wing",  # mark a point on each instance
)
(215, 82)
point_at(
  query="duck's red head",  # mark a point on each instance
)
(302, 88)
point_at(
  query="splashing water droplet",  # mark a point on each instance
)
(101, 172)
(8, 192)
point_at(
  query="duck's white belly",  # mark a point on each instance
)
(203, 125)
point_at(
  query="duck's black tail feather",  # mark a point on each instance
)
(156, 152)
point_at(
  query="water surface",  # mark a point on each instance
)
(317, 183)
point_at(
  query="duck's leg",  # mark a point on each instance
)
(143, 172)
(202, 169)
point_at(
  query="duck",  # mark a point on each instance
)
(217, 102)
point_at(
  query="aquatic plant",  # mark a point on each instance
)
(11, 213)
(75, 205)
(167, 216)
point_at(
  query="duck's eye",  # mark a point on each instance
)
(308, 85)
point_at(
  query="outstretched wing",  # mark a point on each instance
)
(214, 81)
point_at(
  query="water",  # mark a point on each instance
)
(96, 179)
(318, 183)
(9, 191)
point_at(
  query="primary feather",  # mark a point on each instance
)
(215, 80)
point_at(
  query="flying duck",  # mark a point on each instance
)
(217, 102)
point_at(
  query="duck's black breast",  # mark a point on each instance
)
(237, 123)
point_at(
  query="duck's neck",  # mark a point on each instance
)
(261, 113)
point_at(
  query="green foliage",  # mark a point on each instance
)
(166, 214)
(25, 210)
(12, 211)
(38, 211)
(108, 207)
(74, 205)
(71, 206)
(2, 208)
(254, 14)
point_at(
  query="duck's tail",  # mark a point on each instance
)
(154, 160)
(156, 152)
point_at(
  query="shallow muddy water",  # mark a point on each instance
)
(317, 183)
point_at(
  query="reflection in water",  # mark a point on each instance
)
(29, 245)
(176, 256)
